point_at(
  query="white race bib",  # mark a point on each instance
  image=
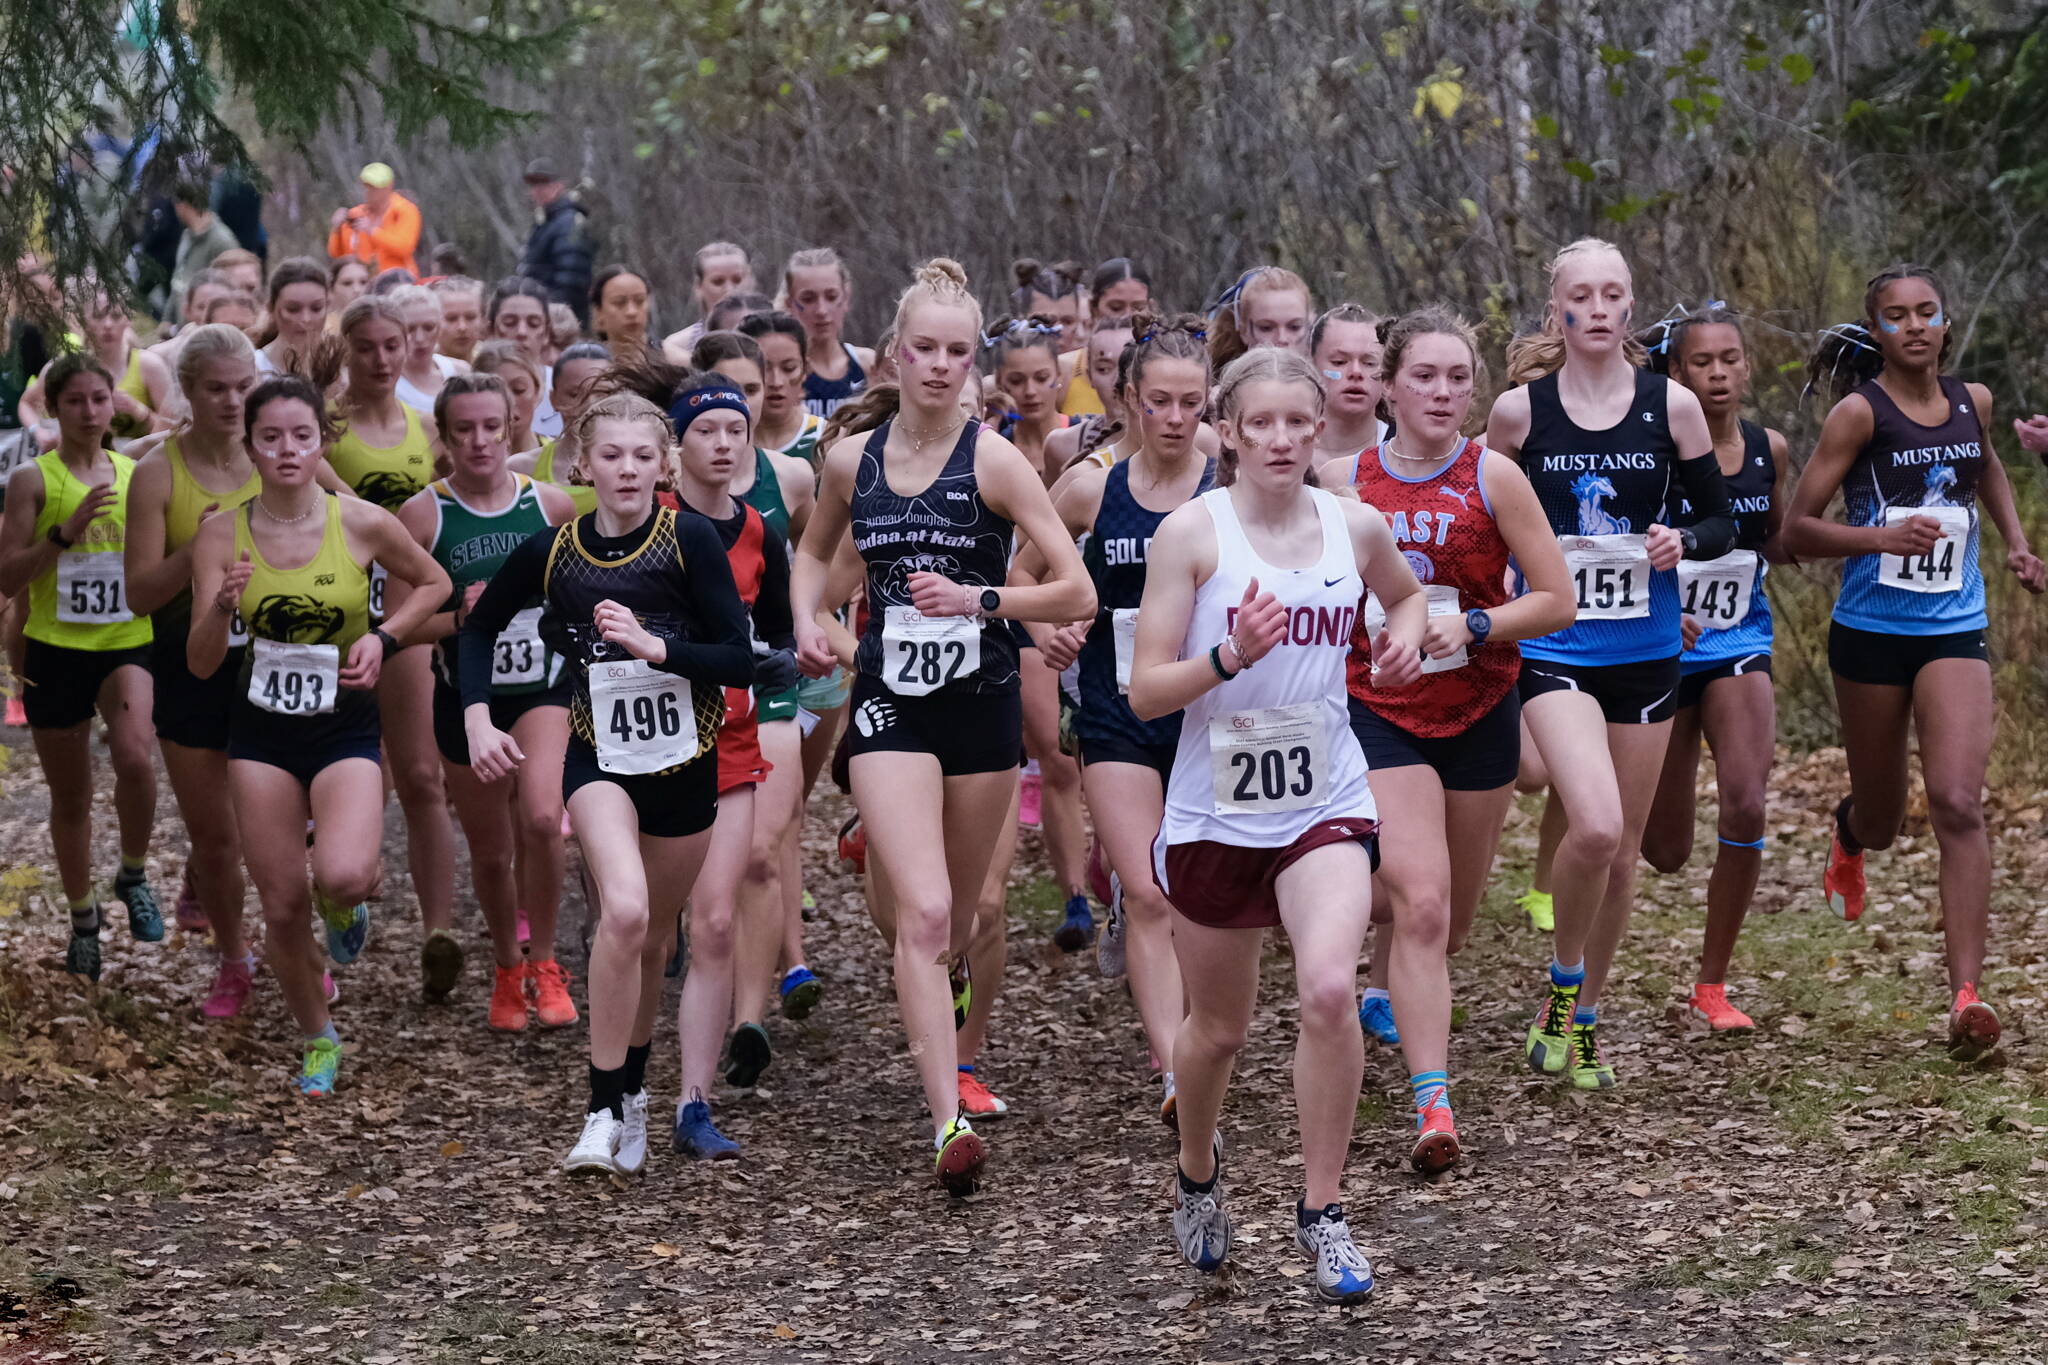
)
(1941, 568)
(294, 680)
(1123, 624)
(1268, 760)
(91, 588)
(518, 656)
(921, 654)
(376, 593)
(1715, 592)
(1443, 601)
(644, 719)
(1611, 575)
(238, 630)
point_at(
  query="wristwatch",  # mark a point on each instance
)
(1688, 541)
(990, 600)
(1480, 624)
(56, 536)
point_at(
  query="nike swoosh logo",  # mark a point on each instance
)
(1333, 582)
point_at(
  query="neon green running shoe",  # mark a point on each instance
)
(963, 991)
(322, 1064)
(1542, 918)
(1548, 1046)
(1587, 1070)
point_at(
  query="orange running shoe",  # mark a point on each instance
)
(853, 845)
(1436, 1141)
(977, 1101)
(508, 1000)
(1710, 1004)
(549, 985)
(1843, 879)
(1973, 1026)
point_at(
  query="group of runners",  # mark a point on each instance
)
(643, 592)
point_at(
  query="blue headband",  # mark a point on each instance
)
(688, 407)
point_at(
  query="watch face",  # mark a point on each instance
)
(990, 599)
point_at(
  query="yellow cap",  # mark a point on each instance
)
(377, 176)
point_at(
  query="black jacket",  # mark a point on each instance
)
(559, 252)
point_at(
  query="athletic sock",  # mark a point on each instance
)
(1842, 834)
(608, 1091)
(131, 869)
(1585, 1015)
(1378, 993)
(1308, 1217)
(966, 1068)
(1196, 1187)
(85, 916)
(1431, 1088)
(1561, 975)
(327, 1033)
(635, 1069)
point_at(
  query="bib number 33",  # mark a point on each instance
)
(1268, 761)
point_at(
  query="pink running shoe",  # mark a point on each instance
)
(191, 918)
(329, 989)
(1030, 801)
(230, 990)
(17, 714)
(521, 929)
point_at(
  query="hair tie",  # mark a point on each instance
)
(1230, 295)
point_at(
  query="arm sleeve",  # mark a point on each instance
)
(1713, 528)
(772, 619)
(720, 653)
(519, 580)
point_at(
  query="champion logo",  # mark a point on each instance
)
(1649, 417)
(873, 716)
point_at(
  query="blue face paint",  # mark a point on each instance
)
(1940, 319)
(1571, 319)
(1886, 325)
(1333, 374)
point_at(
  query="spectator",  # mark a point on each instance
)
(383, 231)
(238, 203)
(204, 238)
(559, 252)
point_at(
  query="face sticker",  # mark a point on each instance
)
(1333, 374)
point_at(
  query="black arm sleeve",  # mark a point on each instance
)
(719, 652)
(517, 582)
(1713, 528)
(772, 619)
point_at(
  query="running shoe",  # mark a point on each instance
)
(1542, 913)
(1843, 880)
(1169, 1102)
(1111, 958)
(1376, 1017)
(800, 991)
(697, 1138)
(1343, 1275)
(631, 1154)
(230, 990)
(747, 1055)
(440, 964)
(145, 917)
(962, 982)
(960, 1157)
(679, 956)
(508, 1000)
(1078, 928)
(1201, 1227)
(348, 928)
(329, 989)
(1031, 799)
(808, 906)
(1709, 1005)
(522, 928)
(1436, 1141)
(548, 987)
(1973, 1027)
(597, 1151)
(191, 916)
(1099, 883)
(853, 845)
(82, 955)
(1548, 1045)
(17, 714)
(1588, 1071)
(977, 1101)
(322, 1064)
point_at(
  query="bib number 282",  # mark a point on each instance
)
(921, 654)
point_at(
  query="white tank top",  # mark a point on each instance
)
(1269, 754)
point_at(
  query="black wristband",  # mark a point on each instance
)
(391, 645)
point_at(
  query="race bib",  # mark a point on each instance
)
(517, 656)
(1611, 575)
(376, 593)
(1941, 568)
(1715, 592)
(1268, 760)
(294, 680)
(644, 718)
(91, 589)
(1443, 601)
(1123, 624)
(921, 654)
(238, 630)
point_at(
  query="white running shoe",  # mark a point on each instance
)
(632, 1152)
(1109, 946)
(1343, 1274)
(597, 1151)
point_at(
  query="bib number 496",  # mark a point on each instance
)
(644, 718)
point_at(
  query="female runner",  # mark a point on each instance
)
(298, 316)
(1345, 345)
(718, 270)
(462, 315)
(577, 371)
(1126, 761)
(469, 522)
(87, 651)
(1724, 686)
(1109, 434)
(818, 291)
(425, 369)
(1442, 756)
(1268, 817)
(143, 397)
(785, 427)
(639, 600)
(1602, 443)
(347, 280)
(618, 311)
(518, 312)
(1266, 306)
(1906, 444)
(295, 562)
(936, 723)
(523, 378)
(1054, 294)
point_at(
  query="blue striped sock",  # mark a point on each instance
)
(1585, 1014)
(1561, 975)
(1431, 1089)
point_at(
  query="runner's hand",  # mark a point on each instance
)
(622, 628)
(469, 596)
(2033, 433)
(1445, 636)
(365, 663)
(95, 501)
(1662, 545)
(1689, 631)
(1261, 624)
(1063, 645)
(492, 753)
(228, 600)
(937, 595)
(1913, 536)
(775, 671)
(1393, 666)
(814, 657)
(2027, 565)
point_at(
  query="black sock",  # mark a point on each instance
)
(1196, 1186)
(1848, 840)
(608, 1091)
(1308, 1217)
(635, 1070)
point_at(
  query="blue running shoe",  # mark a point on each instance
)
(698, 1138)
(800, 992)
(322, 1064)
(1376, 1016)
(1201, 1227)
(1077, 930)
(1343, 1275)
(348, 928)
(145, 918)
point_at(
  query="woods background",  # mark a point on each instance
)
(1770, 154)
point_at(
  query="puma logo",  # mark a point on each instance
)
(1451, 492)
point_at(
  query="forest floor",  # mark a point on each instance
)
(1833, 1189)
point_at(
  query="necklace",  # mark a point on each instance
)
(286, 521)
(1394, 451)
(918, 441)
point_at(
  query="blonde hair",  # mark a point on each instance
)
(1266, 363)
(414, 295)
(623, 406)
(496, 354)
(1226, 330)
(942, 281)
(366, 306)
(809, 259)
(461, 386)
(1541, 352)
(213, 341)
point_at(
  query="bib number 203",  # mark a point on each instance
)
(1271, 775)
